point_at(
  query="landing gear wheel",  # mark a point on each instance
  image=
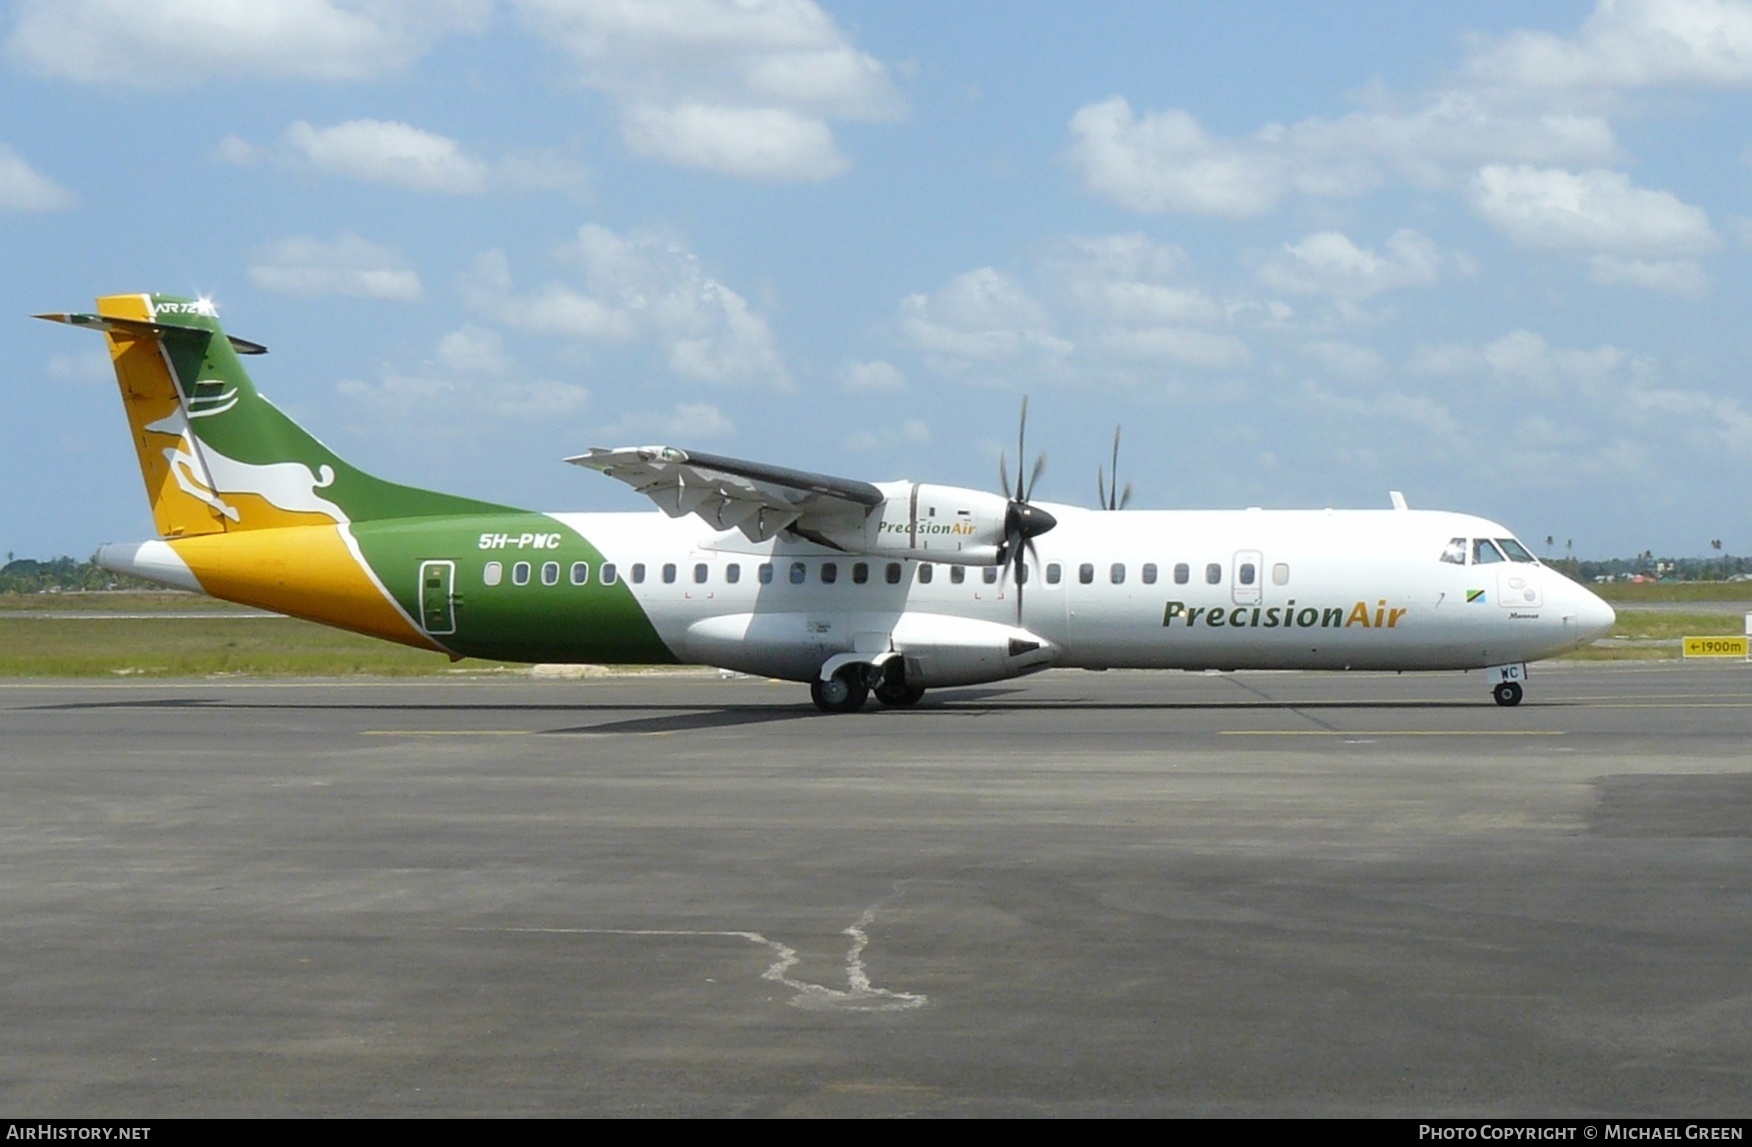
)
(1507, 694)
(899, 696)
(844, 693)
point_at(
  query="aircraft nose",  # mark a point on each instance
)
(1593, 617)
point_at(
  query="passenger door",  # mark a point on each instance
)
(437, 601)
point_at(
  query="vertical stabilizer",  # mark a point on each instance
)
(216, 456)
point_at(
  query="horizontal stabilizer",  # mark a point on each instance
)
(142, 327)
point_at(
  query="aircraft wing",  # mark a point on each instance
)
(729, 493)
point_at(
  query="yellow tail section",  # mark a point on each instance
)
(169, 460)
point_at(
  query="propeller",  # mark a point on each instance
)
(1112, 499)
(1023, 522)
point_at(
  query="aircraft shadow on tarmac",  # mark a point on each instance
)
(681, 717)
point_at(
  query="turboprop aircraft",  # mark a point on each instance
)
(855, 587)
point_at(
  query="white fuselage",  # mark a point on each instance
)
(1246, 589)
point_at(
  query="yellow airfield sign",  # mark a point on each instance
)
(1717, 647)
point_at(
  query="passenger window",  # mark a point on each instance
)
(1455, 552)
(1280, 574)
(668, 573)
(1483, 553)
(638, 573)
(1516, 551)
(1182, 573)
(1022, 574)
(829, 572)
(957, 574)
(608, 573)
(1117, 574)
(700, 573)
(990, 574)
(926, 572)
(520, 574)
(1149, 573)
(1247, 573)
(798, 573)
(1086, 573)
(493, 574)
(550, 573)
(860, 572)
(892, 573)
(1213, 574)
(580, 573)
(732, 573)
(1053, 572)
(766, 573)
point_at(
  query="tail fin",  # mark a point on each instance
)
(217, 457)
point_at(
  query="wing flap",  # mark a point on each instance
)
(730, 493)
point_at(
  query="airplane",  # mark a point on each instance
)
(891, 588)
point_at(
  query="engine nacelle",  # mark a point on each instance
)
(950, 524)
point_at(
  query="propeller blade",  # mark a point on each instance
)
(1003, 475)
(1111, 501)
(1039, 468)
(1021, 449)
(1125, 498)
(1100, 488)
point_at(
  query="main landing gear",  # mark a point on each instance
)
(1506, 694)
(851, 685)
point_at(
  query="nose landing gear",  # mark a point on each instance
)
(1506, 683)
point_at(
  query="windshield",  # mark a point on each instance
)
(1516, 551)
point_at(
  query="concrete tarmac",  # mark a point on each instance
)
(1078, 894)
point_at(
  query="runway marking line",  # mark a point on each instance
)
(1393, 733)
(444, 732)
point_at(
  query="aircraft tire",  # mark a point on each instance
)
(1507, 694)
(899, 696)
(844, 694)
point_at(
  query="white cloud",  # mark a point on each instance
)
(384, 151)
(686, 422)
(400, 155)
(1629, 44)
(912, 432)
(1166, 162)
(871, 378)
(175, 43)
(93, 366)
(1531, 98)
(24, 188)
(739, 87)
(347, 265)
(1593, 211)
(1347, 360)
(979, 315)
(1104, 306)
(759, 143)
(1674, 276)
(471, 379)
(1329, 263)
(641, 288)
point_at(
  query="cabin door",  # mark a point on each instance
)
(437, 601)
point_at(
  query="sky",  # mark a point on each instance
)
(1493, 255)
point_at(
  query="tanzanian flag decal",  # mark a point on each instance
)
(1473, 595)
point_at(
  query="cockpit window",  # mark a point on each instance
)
(1483, 553)
(1456, 551)
(1516, 551)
